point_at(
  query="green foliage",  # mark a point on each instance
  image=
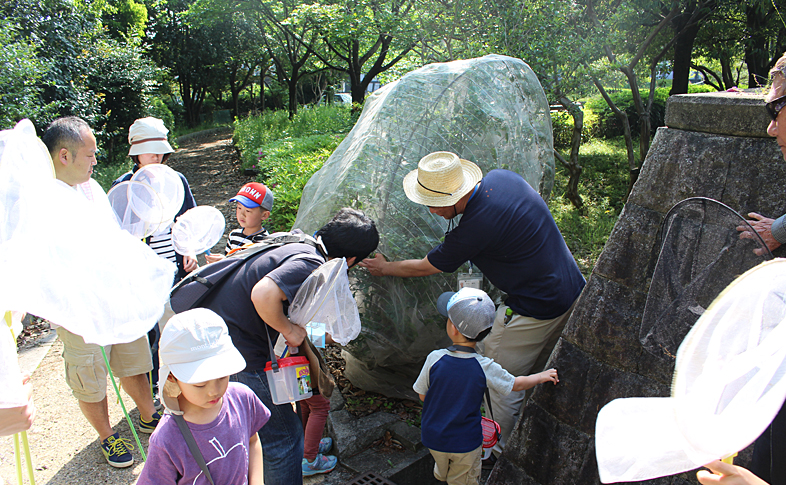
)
(609, 126)
(603, 187)
(562, 128)
(121, 87)
(287, 152)
(20, 78)
(158, 108)
(285, 166)
(105, 173)
(601, 122)
(254, 131)
(125, 19)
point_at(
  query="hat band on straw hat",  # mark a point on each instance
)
(432, 190)
(137, 142)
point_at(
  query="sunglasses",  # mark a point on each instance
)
(775, 107)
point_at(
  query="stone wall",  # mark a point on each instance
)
(715, 145)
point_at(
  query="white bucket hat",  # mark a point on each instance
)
(148, 135)
(195, 347)
(727, 387)
(441, 179)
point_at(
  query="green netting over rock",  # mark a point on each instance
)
(490, 110)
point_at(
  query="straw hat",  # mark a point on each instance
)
(441, 179)
(148, 135)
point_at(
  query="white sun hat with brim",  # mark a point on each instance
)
(148, 135)
(195, 347)
(728, 385)
(441, 179)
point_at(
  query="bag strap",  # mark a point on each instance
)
(192, 446)
(276, 240)
(455, 348)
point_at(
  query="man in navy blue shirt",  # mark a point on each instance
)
(507, 231)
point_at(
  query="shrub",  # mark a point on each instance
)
(287, 152)
(157, 108)
(609, 126)
(561, 128)
(601, 122)
(285, 166)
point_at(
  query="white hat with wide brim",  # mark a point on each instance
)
(148, 135)
(728, 385)
(441, 179)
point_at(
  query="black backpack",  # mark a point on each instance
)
(194, 288)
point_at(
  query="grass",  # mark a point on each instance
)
(603, 185)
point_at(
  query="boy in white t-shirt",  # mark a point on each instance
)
(452, 385)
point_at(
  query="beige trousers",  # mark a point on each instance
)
(457, 468)
(522, 347)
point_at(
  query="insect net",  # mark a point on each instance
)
(90, 276)
(728, 385)
(198, 230)
(491, 111)
(700, 254)
(325, 297)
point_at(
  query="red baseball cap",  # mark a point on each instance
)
(253, 195)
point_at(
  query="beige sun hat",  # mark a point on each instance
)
(148, 135)
(441, 179)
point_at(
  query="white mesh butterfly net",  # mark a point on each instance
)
(325, 297)
(72, 279)
(728, 385)
(197, 230)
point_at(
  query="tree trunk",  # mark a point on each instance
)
(683, 49)
(572, 165)
(292, 106)
(633, 169)
(756, 52)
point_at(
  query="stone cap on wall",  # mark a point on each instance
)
(723, 113)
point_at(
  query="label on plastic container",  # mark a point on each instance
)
(304, 379)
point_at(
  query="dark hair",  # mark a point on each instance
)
(135, 158)
(480, 336)
(66, 133)
(350, 233)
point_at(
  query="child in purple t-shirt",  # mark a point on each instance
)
(197, 358)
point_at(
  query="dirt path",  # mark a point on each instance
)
(63, 445)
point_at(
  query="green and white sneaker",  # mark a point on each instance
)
(117, 451)
(149, 426)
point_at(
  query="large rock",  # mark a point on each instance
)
(490, 110)
(600, 356)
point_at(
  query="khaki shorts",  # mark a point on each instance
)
(458, 468)
(85, 370)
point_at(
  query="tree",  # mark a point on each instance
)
(541, 33)
(122, 86)
(244, 55)
(619, 39)
(191, 53)
(686, 25)
(76, 68)
(20, 80)
(125, 19)
(362, 38)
